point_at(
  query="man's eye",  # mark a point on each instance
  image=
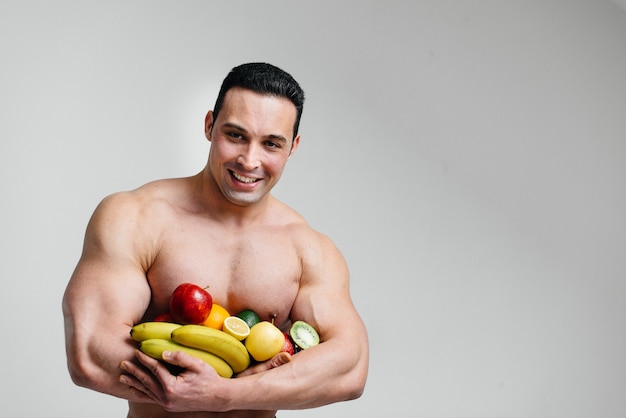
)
(271, 144)
(235, 135)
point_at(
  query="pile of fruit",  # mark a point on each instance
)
(206, 330)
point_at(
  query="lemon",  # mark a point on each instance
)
(264, 341)
(236, 327)
(250, 317)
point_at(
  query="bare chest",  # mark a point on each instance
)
(258, 270)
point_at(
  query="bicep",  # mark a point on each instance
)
(110, 278)
(324, 297)
(324, 301)
(106, 294)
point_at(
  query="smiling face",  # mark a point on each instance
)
(251, 141)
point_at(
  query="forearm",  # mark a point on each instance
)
(95, 346)
(93, 363)
(318, 376)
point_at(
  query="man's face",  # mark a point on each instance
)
(251, 141)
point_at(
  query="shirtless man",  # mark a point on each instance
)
(221, 228)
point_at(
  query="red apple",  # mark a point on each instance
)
(190, 304)
(163, 317)
(288, 346)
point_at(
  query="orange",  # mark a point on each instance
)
(216, 317)
(264, 341)
(236, 327)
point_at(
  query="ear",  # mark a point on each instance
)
(294, 145)
(208, 124)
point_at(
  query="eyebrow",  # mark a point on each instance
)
(233, 125)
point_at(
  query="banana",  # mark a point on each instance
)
(148, 330)
(214, 341)
(154, 347)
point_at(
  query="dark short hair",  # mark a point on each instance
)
(263, 78)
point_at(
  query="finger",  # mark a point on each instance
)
(139, 380)
(158, 377)
(136, 371)
(138, 390)
(183, 360)
(280, 359)
(151, 364)
(276, 361)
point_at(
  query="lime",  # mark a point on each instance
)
(250, 317)
(264, 341)
(236, 327)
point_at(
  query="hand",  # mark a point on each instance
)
(276, 361)
(151, 381)
(177, 393)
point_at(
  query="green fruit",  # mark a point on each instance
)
(304, 335)
(250, 317)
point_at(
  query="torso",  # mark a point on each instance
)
(153, 411)
(259, 269)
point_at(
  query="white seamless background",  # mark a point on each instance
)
(468, 157)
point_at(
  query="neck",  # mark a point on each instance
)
(210, 200)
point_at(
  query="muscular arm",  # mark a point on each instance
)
(107, 293)
(336, 369)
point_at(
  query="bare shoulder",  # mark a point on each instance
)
(302, 234)
(146, 201)
(130, 221)
(319, 255)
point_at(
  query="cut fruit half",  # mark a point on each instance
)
(304, 335)
(236, 327)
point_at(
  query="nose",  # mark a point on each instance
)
(249, 158)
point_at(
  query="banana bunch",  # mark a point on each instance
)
(222, 351)
(150, 330)
(214, 341)
(154, 347)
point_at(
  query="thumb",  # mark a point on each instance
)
(182, 360)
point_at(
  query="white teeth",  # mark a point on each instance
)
(243, 179)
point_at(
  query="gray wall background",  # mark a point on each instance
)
(469, 157)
